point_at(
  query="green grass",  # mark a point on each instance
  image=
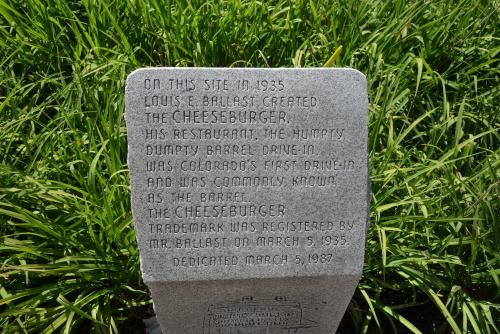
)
(69, 260)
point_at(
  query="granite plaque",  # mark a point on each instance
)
(250, 195)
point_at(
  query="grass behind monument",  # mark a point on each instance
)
(69, 260)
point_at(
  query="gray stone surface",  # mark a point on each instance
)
(250, 195)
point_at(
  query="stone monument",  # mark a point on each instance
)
(250, 195)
